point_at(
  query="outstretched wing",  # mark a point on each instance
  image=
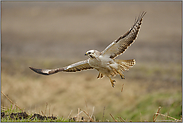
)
(120, 45)
(82, 65)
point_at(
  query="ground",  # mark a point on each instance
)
(56, 34)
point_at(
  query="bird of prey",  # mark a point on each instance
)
(104, 62)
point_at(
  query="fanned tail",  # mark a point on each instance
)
(125, 64)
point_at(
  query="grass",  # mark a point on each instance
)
(29, 118)
(11, 114)
(148, 105)
(156, 117)
(157, 107)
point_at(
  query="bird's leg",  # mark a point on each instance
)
(115, 71)
(118, 72)
(99, 76)
(121, 74)
(112, 82)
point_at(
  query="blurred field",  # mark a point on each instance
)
(56, 34)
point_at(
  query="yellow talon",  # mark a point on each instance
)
(112, 82)
(121, 74)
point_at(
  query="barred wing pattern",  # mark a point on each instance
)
(120, 45)
(82, 65)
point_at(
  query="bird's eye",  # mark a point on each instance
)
(89, 52)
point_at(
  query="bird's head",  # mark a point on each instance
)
(92, 53)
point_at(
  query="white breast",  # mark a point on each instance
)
(100, 62)
(94, 62)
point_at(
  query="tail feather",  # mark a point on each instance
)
(125, 64)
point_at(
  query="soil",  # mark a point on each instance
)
(24, 115)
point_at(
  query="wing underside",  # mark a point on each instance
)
(121, 44)
(82, 65)
(79, 66)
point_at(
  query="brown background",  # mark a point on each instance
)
(56, 34)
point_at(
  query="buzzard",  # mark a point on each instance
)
(104, 62)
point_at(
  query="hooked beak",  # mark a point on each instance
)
(86, 53)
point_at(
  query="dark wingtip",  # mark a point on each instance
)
(34, 69)
(38, 71)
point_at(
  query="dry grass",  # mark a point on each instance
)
(172, 119)
(79, 117)
(50, 35)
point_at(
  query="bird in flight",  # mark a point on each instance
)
(105, 62)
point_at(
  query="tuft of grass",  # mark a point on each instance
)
(8, 117)
(171, 108)
(15, 114)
